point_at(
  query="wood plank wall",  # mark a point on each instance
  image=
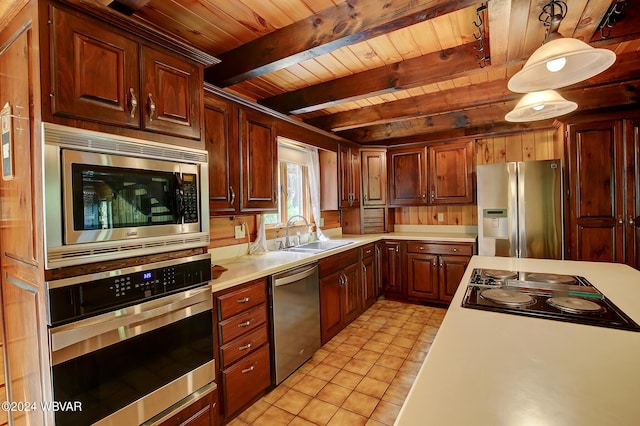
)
(539, 145)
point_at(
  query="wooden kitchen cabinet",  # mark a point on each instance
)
(434, 270)
(390, 266)
(258, 162)
(340, 292)
(602, 197)
(369, 275)
(202, 412)
(431, 174)
(241, 326)
(349, 179)
(103, 75)
(374, 177)
(221, 142)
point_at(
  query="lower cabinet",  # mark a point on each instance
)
(340, 292)
(368, 276)
(390, 268)
(241, 345)
(434, 270)
(203, 412)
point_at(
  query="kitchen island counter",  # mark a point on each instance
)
(494, 368)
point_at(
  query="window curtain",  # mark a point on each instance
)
(313, 163)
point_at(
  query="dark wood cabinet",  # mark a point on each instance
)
(258, 162)
(451, 173)
(102, 75)
(340, 292)
(602, 183)
(431, 174)
(368, 275)
(391, 269)
(202, 412)
(349, 178)
(374, 177)
(241, 327)
(221, 142)
(434, 270)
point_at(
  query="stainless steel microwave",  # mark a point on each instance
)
(110, 197)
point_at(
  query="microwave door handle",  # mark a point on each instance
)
(179, 199)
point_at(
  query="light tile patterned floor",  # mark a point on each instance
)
(360, 377)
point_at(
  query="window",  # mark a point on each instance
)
(293, 183)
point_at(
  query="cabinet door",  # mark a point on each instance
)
(632, 193)
(374, 178)
(595, 215)
(391, 269)
(407, 179)
(330, 308)
(451, 269)
(95, 71)
(221, 142)
(451, 173)
(422, 276)
(202, 412)
(369, 284)
(258, 162)
(351, 293)
(349, 182)
(171, 94)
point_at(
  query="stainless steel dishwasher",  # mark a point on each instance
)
(295, 305)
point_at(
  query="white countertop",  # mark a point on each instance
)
(246, 268)
(490, 368)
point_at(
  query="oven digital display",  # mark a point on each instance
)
(146, 276)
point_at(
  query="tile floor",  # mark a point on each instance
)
(360, 377)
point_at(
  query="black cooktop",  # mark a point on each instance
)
(559, 297)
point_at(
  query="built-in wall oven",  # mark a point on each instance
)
(127, 344)
(110, 197)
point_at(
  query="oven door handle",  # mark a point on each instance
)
(131, 321)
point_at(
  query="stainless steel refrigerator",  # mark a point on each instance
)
(520, 209)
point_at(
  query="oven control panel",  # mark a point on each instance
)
(93, 297)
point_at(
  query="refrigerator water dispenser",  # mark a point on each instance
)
(495, 223)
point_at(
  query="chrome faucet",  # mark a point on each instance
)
(287, 243)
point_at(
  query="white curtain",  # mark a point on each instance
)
(259, 246)
(313, 163)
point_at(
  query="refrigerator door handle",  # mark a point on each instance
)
(512, 202)
(522, 232)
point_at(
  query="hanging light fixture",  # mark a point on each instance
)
(560, 61)
(540, 106)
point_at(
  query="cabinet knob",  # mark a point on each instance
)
(421, 248)
(455, 250)
(245, 324)
(244, 299)
(631, 222)
(435, 263)
(152, 107)
(620, 221)
(133, 102)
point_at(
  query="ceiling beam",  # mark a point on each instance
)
(588, 98)
(430, 68)
(349, 22)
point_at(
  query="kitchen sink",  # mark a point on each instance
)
(318, 246)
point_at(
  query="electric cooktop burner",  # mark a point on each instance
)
(570, 298)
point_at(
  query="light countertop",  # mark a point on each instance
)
(246, 268)
(491, 368)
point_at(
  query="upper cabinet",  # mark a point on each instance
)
(433, 174)
(374, 177)
(102, 75)
(349, 182)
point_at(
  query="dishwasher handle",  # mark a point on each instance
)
(285, 279)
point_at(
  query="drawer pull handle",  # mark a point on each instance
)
(244, 300)
(248, 370)
(152, 107)
(454, 249)
(245, 324)
(245, 347)
(421, 248)
(368, 252)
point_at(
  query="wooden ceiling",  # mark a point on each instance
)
(385, 71)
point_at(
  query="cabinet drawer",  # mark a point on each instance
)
(243, 323)
(367, 250)
(439, 248)
(244, 345)
(233, 303)
(245, 380)
(331, 264)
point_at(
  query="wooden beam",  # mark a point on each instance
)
(588, 98)
(349, 22)
(430, 68)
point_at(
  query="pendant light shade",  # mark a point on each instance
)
(540, 106)
(559, 63)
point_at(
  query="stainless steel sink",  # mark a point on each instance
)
(318, 246)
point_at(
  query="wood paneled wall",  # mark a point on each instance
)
(539, 145)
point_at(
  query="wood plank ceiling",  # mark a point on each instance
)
(387, 71)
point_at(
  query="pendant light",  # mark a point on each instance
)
(560, 61)
(540, 106)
